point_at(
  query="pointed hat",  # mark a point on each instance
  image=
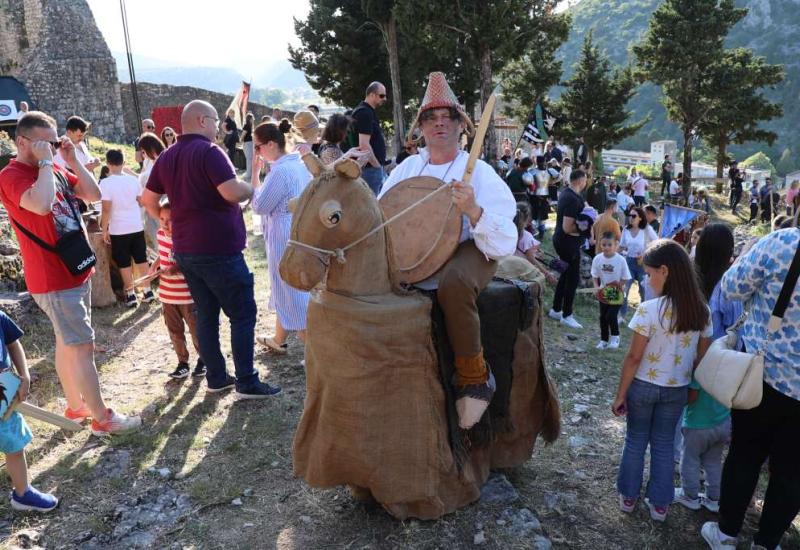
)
(439, 95)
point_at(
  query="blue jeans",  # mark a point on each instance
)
(653, 413)
(223, 282)
(637, 274)
(374, 176)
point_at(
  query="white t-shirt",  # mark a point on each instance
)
(624, 200)
(610, 270)
(669, 356)
(635, 246)
(126, 215)
(526, 242)
(639, 187)
(674, 188)
(81, 155)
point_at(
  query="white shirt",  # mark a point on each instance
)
(610, 270)
(669, 356)
(565, 173)
(81, 155)
(674, 188)
(639, 186)
(495, 233)
(623, 201)
(122, 190)
(542, 181)
(635, 246)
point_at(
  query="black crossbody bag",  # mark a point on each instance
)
(72, 247)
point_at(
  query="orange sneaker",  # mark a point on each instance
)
(116, 423)
(78, 415)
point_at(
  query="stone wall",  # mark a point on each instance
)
(165, 95)
(56, 50)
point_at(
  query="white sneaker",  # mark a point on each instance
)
(684, 500)
(571, 322)
(553, 314)
(715, 538)
(613, 343)
(710, 505)
(657, 513)
(602, 344)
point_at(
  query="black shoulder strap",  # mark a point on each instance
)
(31, 236)
(786, 291)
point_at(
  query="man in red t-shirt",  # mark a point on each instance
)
(42, 199)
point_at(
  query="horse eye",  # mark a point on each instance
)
(330, 213)
(335, 218)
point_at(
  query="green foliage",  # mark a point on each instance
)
(684, 39)
(649, 170)
(759, 161)
(786, 163)
(621, 173)
(595, 99)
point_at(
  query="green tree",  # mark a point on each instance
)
(759, 161)
(683, 44)
(594, 101)
(484, 34)
(786, 163)
(737, 103)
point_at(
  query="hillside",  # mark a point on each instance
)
(768, 29)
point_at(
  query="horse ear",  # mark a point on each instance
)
(313, 164)
(348, 168)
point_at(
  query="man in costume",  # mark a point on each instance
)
(488, 234)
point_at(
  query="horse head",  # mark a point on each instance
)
(336, 210)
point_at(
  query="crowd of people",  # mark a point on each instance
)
(690, 292)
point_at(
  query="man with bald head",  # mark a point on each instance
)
(370, 135)
(208, 236)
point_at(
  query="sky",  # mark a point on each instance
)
(203, 32)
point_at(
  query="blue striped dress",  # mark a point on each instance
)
(286, 180)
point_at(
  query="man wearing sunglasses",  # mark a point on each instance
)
(370, 135)
(42, 198)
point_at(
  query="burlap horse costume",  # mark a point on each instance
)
(377, 416)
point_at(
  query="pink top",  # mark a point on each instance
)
(526, 242)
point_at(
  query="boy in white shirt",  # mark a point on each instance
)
(122, 225)
(609, 273)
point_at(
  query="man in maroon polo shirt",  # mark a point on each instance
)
(208, 236)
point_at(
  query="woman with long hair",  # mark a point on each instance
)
(636, 237)
(169, 137)
(151, 147)
(671, 333)
(334, 140)
(286, 180)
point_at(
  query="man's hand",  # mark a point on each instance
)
(42, 150)
(92, 164)
(464, 198)
(24, 387)
(106, 236)
(68, 152)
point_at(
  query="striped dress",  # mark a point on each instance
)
(172, 289)
(286, 180)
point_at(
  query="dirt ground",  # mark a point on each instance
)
(213, 472)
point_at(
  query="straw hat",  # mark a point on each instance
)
(305, 126)
(439, 95)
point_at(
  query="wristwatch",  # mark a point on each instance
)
(45, 162)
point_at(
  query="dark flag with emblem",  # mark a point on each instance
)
(531, 133)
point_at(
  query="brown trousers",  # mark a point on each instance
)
(174, 317)
(461, 279)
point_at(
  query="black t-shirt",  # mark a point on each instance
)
(366, 122)
(247, 130)
(231, 138)
(666, 169)
(570, 204)
(557, 154)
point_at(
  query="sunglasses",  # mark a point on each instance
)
(633, 216)
(53, 144)
(382, 96)
(169, 134)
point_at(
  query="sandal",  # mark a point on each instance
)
(271, 345)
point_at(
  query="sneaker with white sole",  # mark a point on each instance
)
(553, 314)
(116, 423)
(627, 504)
(657, 513)
(259, 390)
(571, 322)
(130, 300)
(613, 342)
(148, 296)
(710, 505)
(33, 501)
(602, 344)
(685, 500)
(715, 538)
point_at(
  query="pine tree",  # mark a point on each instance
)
(679, 51)
(737, 103)
(594, 101)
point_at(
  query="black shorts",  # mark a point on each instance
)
(123, 247)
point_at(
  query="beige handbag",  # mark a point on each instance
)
(735, 378)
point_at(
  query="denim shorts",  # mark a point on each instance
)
(70, 313)
(14, 434)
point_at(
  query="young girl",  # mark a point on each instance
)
(527, 245)
(671, 334)
(609, 268)
(693, 242)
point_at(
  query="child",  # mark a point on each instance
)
(14, 432)
(122, 225)
(609, 268)
(693, 242)
(177, 305)
(670, 334)
(527, 245)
